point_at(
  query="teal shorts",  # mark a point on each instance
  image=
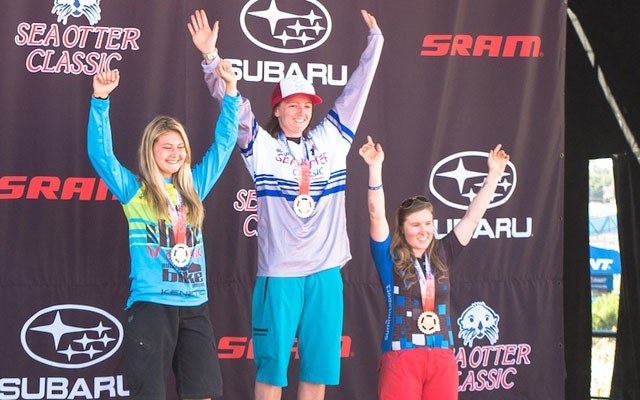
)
(309, 307)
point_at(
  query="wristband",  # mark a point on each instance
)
(210, 56)
(375, 187)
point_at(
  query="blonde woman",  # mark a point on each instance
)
(168, 323)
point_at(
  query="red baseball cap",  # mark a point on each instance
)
(291, 86)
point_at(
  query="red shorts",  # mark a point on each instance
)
(418, 374)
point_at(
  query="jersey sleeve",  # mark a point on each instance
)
(349, 106)
(451, 247)
(247, 125)
(207, 172)
(120, 181)
(382, 260)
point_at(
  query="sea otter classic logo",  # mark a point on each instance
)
(77, 8)
(478, 321)
(286, 26)
(487, 366)
(71, 336)
(455, 180)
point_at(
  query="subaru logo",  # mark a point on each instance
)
(285, 26)
(456, 180)
(71, 336)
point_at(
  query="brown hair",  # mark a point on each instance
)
(403, 263)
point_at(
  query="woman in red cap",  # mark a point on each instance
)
(300, 177)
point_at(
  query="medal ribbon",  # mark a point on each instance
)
(304, 171)
(178, 216)
(427, 285)
(304, 166)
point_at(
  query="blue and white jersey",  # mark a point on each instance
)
(289, 245)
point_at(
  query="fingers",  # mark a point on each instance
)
(108, 76)
(369, 145)
(203, 18)
(195, 24)
(223, 66)
(370, 148)
(200, 21)
(369, 19)
(499, 155)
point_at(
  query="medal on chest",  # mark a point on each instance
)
(428, 322)
(180, 254)
(303, 205)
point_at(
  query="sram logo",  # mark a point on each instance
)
(237, 347)
(526, 46)
(53, 188)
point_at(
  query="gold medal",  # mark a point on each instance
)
(429, 323)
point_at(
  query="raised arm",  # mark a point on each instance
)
(105, 82)
(208, 171)
(350, 105)
(205, 38)
(224, 71)
(497, 162)
(374, 156)
(120, 181)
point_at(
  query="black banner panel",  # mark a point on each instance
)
(455, 78)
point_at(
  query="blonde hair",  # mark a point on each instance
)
(153, 180)
(401, 252)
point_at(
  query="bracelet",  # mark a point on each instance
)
(375, 187)
(210, 56)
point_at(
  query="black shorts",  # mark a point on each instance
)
(157, 336)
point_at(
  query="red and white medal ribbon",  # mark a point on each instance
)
(428, 321)
(180, 255)
(303, 205)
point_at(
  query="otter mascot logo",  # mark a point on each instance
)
(77, 8)
(478, 321)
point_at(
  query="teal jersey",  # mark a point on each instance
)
(153, 277)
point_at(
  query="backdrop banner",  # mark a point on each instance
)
(455, 79)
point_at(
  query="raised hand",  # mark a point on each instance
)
(225, 72)
(228, 76)
(105, 82)
(497, 160)
(371, 152)
(204, 37)
(369, 19)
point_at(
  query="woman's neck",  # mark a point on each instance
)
(418, 254)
